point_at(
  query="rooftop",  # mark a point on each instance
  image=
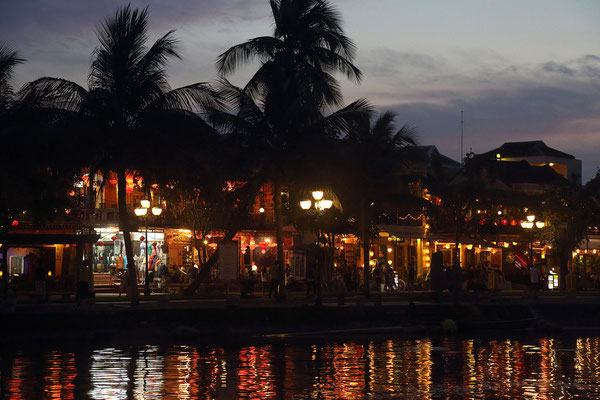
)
(525, 149)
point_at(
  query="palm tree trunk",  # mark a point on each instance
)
(279, 223)
(4, 269)
(125, 228)
(366, 239)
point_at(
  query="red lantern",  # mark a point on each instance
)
(141, 238)
(100, 243)
(504, 222)
(113, 238)
(513, 222)
(15, 223)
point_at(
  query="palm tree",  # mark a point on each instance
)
(295, 82)
(9, 59)
(370, 173)
(127, 97)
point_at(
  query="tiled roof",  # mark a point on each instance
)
(525, 149)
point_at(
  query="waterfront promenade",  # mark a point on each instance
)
(229, 317)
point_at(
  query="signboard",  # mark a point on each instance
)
(298, 263)
(228, 261)
(349, 253)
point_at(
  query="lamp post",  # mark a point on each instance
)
(317, 208)
(529, 224)
(143, 212)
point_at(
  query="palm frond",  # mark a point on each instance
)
(261, 48)
(52, 93)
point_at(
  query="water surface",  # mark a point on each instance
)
(394, 368)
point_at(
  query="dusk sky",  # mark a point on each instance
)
(520, 70)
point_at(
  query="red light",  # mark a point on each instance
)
(15, 223)
(513, 222)
(504, 222)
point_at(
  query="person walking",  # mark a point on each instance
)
(264, 279)
(534, 278)
(275, 278)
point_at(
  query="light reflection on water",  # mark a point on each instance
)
(355, 369)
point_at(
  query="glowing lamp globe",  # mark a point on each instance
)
(317, 194)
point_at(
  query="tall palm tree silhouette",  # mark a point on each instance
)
(127, 96)
(295, 82)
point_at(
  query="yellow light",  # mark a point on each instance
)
(469, 246)
(262, 210)
(426, 251)
(317, 195)
(427, 265)
(551, 164)
(478, 211)
(539, 224)
(254, 267)
(389, 249)
(447, 246)
(594, 251)
(205, 242)
(305, 204)
(498, 155)
(140, 211)
(499, 212)
(49, 273)
(389, 262)
(145, 203)
(577, 251)
(426, 226)
(268, 240)
(326, 204)
(156, 211)
(515, 243)
(530, 218)
(427, 258)
(372, 262)
(506, 244)
(1, 273)
(371, 254)
(527, 225)
(543, 255)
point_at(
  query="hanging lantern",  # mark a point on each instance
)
(142, 238)
(504, 222)
(15, 223)
(513, 222)
(100, 243)
(113, 237)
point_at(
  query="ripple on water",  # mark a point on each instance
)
(541, 369)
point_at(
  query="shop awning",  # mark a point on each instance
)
(20, 239)
(594, 243)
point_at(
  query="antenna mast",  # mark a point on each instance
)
(461, 137)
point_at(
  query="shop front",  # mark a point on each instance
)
(109, 251)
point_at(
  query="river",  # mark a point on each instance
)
(353, 368)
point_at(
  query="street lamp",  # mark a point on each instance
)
(529, 224)
(317, 208)
(143, 212)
